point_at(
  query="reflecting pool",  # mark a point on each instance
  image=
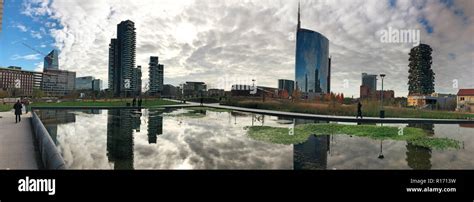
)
(210, 139)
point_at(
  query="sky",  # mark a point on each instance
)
(222, 42)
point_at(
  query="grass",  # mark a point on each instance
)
(102, 103)
(301, 133)
(6, 107)
(368, 109)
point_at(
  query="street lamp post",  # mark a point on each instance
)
(382, 112)
(381, 151)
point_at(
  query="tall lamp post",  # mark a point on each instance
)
(382, 112)
(381, 151)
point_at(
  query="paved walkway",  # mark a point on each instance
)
(342, 118)
(336, 118)
(17, 149)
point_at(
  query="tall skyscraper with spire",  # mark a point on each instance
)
(312, 62)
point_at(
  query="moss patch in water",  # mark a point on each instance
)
(301, 132)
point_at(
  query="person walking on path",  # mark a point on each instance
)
(26, 103)
(140, 102)
(134, 102)
(359, 110)
(17, 108)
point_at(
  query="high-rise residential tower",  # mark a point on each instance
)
(156, 76)
(124, 78)
(312, 62)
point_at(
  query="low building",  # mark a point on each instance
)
(213, 92)
(58, 83)
(17, 82)
(84, 83)
(170, 91)
(387, 94)
(248, 90)
(194, 89)
(88, 83)
(432, 101)
(420, 101)
(465, 100)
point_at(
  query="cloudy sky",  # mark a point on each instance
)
(237, 40)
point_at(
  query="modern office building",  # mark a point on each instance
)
(84, 83)
(88, 83)
(312, 62)
(249, 91)
(368, 87)
(286, 85)
(96, 85)
(58, 83)
(16, 82)
(51, 61)
(170, 91)
(194, 89)
(213, 92)
(156, 71)
(124, 78)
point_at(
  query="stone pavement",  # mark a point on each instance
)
(17, 149)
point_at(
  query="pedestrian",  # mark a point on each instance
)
(359, 110)
(17, 108)
(26, 103)
(139, 102)
(134, 102)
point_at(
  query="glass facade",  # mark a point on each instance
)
(51, 61)
(312, 63)
(287, 85)
(84, 83)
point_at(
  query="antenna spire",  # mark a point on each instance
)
(299, 21)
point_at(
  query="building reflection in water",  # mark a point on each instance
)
(312, 154)
(417, 157)
(155, 126)
(52, 118)
(120, 126)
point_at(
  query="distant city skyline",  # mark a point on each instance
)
(244, 39)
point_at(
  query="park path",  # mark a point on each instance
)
(334, 117)
(17, 149)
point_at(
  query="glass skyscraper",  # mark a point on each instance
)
(51, 61)
(312, 62)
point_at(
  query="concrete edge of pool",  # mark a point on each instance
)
(284, 114)
(50, 156)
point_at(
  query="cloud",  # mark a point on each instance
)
(21, 27)
(35, 34)
(26, 57)
(206, 40)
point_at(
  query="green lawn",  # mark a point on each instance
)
(102, 103)
(5, 108)
(368, 110)
(300, 134)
